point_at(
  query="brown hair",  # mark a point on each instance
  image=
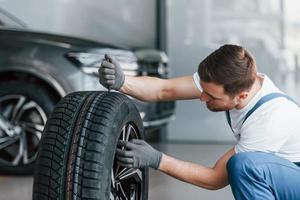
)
(231, 66)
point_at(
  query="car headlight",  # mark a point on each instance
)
(89, 62)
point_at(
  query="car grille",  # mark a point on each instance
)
(159, 70)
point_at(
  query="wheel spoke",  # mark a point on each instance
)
(123, 133)
(128, 132)
(18, 157)
(121, 172)
(111, 196)
(7, 142)
(4, 139)
(130, 173)
(120, 188)
(35, 129)
(6, 126)
(25, 107)
(117, 170)
(18, 106)
(25, 148)
(23, 151)
(113, 178)
(7, 111)
(133, 193)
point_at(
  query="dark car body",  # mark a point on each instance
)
(57, 65)
(65, 64)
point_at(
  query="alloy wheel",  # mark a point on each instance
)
(22, 124)
(126, 183)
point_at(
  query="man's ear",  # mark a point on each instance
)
(242, 96)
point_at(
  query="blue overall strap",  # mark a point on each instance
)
(260, 102)
(228, 119)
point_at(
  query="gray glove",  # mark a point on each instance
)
(111, 74)
(138, 154)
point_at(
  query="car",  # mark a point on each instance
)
(38, 69)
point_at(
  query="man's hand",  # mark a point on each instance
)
(111, 74)
(138, 154)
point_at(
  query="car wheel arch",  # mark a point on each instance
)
(50, 85)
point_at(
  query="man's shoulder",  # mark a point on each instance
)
(274, 116)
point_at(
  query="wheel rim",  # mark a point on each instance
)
(126, 183)
(25, 114)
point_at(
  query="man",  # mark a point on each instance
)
(264, 121)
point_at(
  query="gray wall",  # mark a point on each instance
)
(197, 27)
(121, 22)
(188, 45)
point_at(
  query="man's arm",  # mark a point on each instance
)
(148, 88)
(139, 154)
(209, 178)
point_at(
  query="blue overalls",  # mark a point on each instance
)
(263, 176)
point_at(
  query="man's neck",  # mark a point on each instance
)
(253, 91)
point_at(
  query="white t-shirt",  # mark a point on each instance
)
(274, 127)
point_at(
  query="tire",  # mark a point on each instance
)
(76, 155)
(25, 107)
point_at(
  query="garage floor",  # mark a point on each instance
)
(161, 187)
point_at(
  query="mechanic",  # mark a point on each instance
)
(265, 161)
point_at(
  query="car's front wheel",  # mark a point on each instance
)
(24, 108)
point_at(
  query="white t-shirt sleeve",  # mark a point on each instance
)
(196, 79)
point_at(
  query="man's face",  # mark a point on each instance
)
(215, 98)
